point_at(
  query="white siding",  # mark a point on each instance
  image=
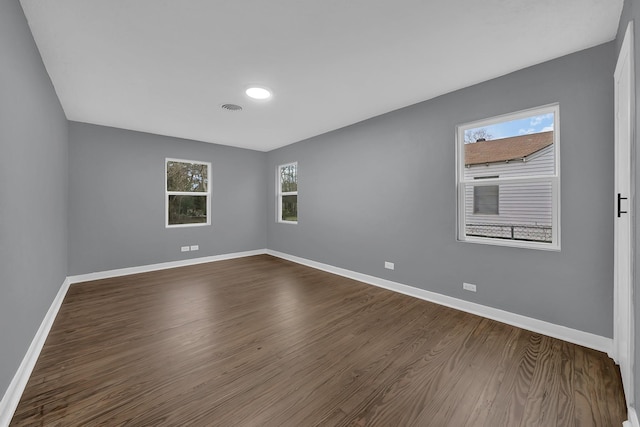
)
(540, 163)
(519, 204)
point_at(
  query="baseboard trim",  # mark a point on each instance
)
(161, 266)
(564, 333)
(632, 420)
(13, 394)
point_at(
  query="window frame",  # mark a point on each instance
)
(553, 179)
(280, 193)
(168, 193)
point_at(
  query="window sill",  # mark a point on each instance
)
(199, 224)
(512, 243)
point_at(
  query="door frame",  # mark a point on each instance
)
(623, 326)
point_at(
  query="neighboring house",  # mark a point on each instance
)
(510, 211)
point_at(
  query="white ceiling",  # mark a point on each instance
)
(165, 67)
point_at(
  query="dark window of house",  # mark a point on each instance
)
(486, 198)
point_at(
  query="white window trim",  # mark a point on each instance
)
(554, 179)
(280, 193)
(168, 193)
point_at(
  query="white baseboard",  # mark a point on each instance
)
(12, 396)
(632, 418)
(575, 336)
(161, 266)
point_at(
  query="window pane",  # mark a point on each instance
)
(187, 209)
(525, 212)
(523, 147)
(515, 157)
(288, 178)
(289, 208)
(542, 122)
(190, 177)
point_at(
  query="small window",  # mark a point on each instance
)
(287, 193)
(486, 199)
(508, 170)
(187, 193)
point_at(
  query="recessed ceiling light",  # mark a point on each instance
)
(256, 92)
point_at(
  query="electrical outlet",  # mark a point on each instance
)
(469, 287)
(389, 265)
(184, 249)
(195, 247)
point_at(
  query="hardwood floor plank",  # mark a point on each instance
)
(482, 399)
(597, 400)
(566, 391)
(473, 395)
(425, 366)
(260, 341)
(542, 403)
(405, 348)
(509, 403)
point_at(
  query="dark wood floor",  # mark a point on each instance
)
(260, 341)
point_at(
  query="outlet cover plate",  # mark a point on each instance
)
(469, 287)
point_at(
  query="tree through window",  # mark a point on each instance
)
(187, 192)
(287, 193)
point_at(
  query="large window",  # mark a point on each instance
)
(187, 193)
(287, 193)
(508, 170)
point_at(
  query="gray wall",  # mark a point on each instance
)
(116, 208)
(384, 189)
(631, 12)
(33, 190)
